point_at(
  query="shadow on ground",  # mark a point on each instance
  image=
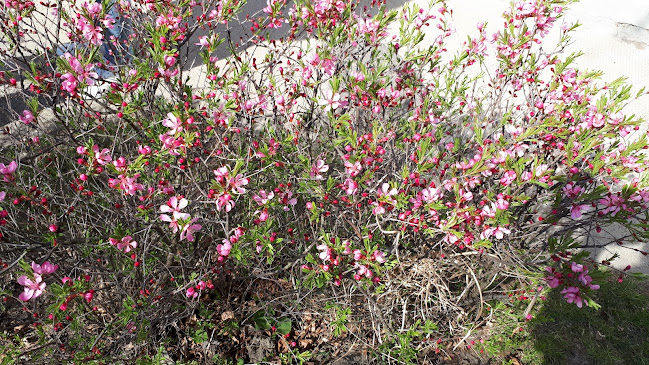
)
(617, 333)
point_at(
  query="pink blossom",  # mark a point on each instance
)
(431, 194)
(168, 72)
(379, 256)
(572, 191)
(172, 22)
(502, 203)
(128, 185)
(369, 27)
(325, 253)
(238, 182)
(575, 267)
(358, 76)
(489, 210)
(263, 215)
(330, 100)
(174, 123)
(203, 41)
(108, 21)
(353, 169)
(222, 173)
(598, 120)
(224, 202)
(347, 246)
(120, 164)
(508, 178)
(144, 150)
(171, 144)
(378, 210)
(191, 293)
(572, 296)
(631, 162)
(329, 67)
(613, 204)
(577, 210)
(318, 169)
(541, 170)
(89, 295)
(451, 238)
(350, 186)
(586, 279)
(81, 73)
(32, 289)
(616, 118)
(126, 244)
(94, 35)
(263, 198)
(45, 268)
(173, 221)
(224, 249)
(286, 198)
(552, 280)
(27, 117)
(385, 191)
(498, 232)
(189, 229)
(69, 83)
(169, 61)
(274, 23)
(174, 205)
(93, 8)
(8, 169)
(102, 157)
(362, 271)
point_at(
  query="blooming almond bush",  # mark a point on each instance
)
(190, 174)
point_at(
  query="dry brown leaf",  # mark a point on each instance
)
(227, 315)
(305, 342)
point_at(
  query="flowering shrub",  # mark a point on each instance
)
(332, 151)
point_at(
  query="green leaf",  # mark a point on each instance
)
(261, 322)
(200, 336)
(284, 326)
(330, 183)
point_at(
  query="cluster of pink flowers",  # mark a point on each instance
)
(193, 292)
(225, 247)
(128, 185)
(35, 286)
(80, 73)
(91, 32)
(360, 261)
(226, 185)
(18, 5)
(179, 221)
(572, 293)
(99, 156)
